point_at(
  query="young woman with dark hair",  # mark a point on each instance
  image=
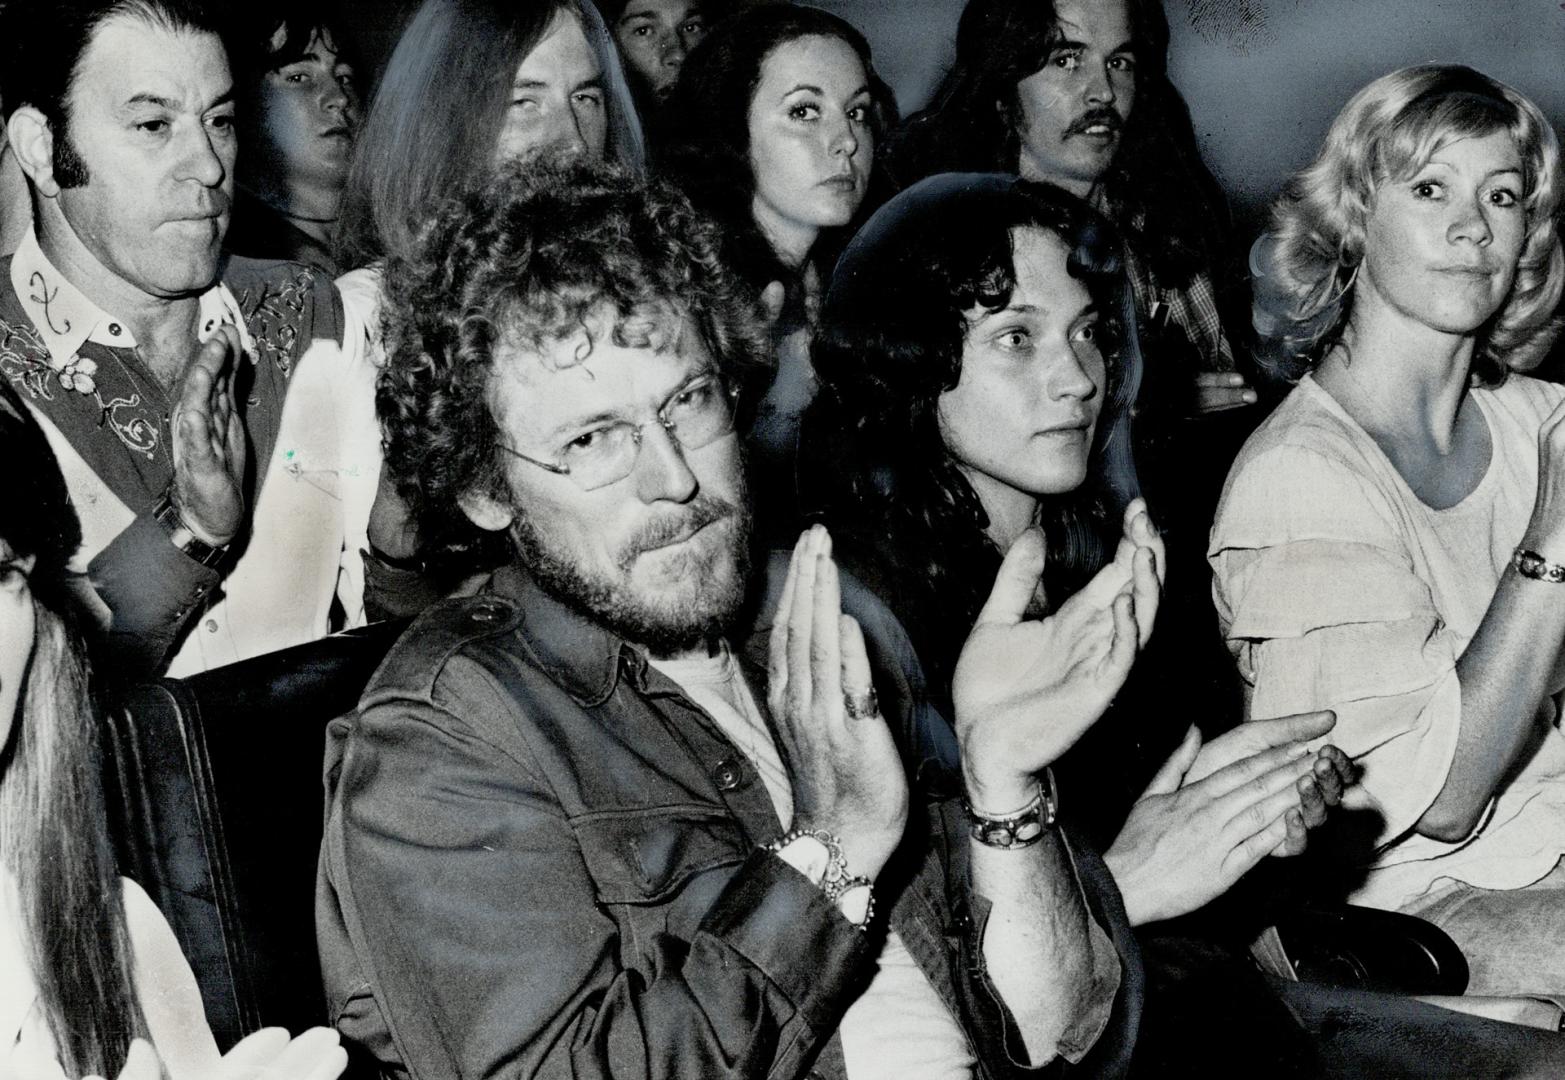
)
(976, 357)
(773, 128)
(88, 966)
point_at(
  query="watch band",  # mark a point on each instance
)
(1529, 564)
(167, 515)
(1020, 828)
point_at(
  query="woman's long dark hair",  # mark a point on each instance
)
(708, 148)
(53, 825)
(1164, 199)
(890, 340)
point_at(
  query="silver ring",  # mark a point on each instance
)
(861, 706)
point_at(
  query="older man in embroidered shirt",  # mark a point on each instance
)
(219, 445)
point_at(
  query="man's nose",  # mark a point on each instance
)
(203, 161)
(1100, 88)
(662, 473)
(671, 51)
(567, 140)
(335, 95)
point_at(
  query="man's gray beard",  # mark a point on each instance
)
(662, 630)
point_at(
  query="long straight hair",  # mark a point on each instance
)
(431, 129)
(53, 826)
(54, 840)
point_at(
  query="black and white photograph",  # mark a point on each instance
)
(767, 540)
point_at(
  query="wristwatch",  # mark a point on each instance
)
(167, 515)
(1019, 828)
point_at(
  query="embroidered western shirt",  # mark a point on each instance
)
(308, 409)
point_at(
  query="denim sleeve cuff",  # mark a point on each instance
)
(782, 924)
(1098, 1000)
(1097, 996)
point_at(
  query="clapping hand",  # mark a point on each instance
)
(269, 1054)
(1212, 812)
(210, 444)
(1332, 773)
(1026, 689)
(847, 775)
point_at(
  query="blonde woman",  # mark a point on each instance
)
(1390, 542)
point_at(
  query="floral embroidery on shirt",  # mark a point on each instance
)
(20, 349)
(25, 361)
(275, 318)
(76, 373)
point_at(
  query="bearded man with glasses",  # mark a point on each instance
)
(601, 820)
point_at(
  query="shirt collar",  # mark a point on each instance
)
(578, 653)
(66, 319)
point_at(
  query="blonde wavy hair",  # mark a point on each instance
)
(1387, 132)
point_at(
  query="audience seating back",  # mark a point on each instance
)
(215, 799)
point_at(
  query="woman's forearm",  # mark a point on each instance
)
(1505, 673)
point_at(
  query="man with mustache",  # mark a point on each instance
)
(585, 822)
(1076, 93)
(202, 409)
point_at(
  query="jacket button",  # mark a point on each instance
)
(486, 612)
(727, 774)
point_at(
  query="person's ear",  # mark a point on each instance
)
(32, 141)
(486, 511)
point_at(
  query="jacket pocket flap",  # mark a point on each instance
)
(644, 856)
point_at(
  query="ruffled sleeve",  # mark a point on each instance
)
(1322, 609)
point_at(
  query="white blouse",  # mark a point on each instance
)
(1337, 587)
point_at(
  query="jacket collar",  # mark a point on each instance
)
(579, 654)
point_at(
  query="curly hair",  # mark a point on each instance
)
(1387, 132)
(892, 333)
(708, 138)
(519, 263)
(1165, 201)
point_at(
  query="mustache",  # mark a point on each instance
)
(1101, 115)
(703, 510)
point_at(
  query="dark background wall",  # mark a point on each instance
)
(1263, 78)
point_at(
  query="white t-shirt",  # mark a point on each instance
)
(898, 1029)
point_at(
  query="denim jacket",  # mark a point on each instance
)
(542, 860)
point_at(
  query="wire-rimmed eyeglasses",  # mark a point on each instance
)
(698, 413)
